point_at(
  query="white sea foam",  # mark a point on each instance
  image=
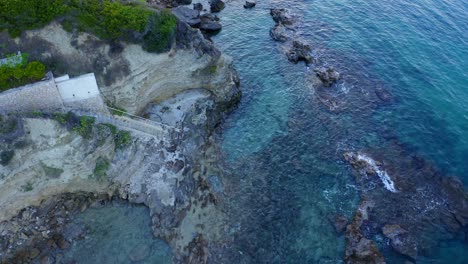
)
(383, 175)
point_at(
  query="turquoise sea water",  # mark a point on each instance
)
(284, 147)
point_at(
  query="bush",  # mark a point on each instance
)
(109, 20)
(21, 74)
(122, 139)
(100, 171)
(85, 126)
(6, 156)
(7, 125)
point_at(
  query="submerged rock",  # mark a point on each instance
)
(339, 222)
(328, 75)
(300, 52)
(282, 16)
(401, 241)
(139, 253)
(383, 95)
(279, 33)
(249, 4)
(358, 248)
(216, 5)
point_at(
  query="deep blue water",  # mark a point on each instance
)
(284, 147)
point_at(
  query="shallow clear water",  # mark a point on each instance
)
(118, 233)
(284, 148)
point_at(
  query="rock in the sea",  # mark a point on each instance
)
(279, 33)
(383, 95)
(328, 75)
(139, 253)
(282, 16)
(358, 248)
(300, 51)
(216, 5)
(249, 4)
(210, 24)
(187, 15)
(401, 241)
(198, 7)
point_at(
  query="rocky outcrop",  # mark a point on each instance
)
(401, 241)
(187, 15)
(300, 52)
(281, 16)
(210, 24)
(279, 33)
(249, 4)
(128, 76)
(328, 75)
(198, 7)
(217, 5)
(358, 248)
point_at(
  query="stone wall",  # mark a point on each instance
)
(39, 96)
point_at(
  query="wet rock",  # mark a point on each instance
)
(198, 7)
(401, 241)
(249, 4)
(210, 24)
(279, 33)
(300, 52)
(187, 15)
(216, 5)
(282, 16)
(328, 75)
(139, 253)
(358, 248)
(339, 222)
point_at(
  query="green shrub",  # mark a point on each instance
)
(85, 126)
(21, 74)
(109, 20)
(122, 139)
(7, 125)
(6, 156)
(27, 187)
(100, 171)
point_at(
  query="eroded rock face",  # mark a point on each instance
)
(128, 76)
(187, 15)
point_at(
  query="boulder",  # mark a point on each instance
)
(210, 24)
(282, 16)
(328, 75)
(279, 33)
(184, 2)
(249, 4)
(401, 241)
(300, 51)
(216, 5)
(187, 15)
(198, 7)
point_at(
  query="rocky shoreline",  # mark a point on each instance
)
(197, 86)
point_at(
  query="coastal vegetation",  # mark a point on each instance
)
(109, 20)
(24, 72)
